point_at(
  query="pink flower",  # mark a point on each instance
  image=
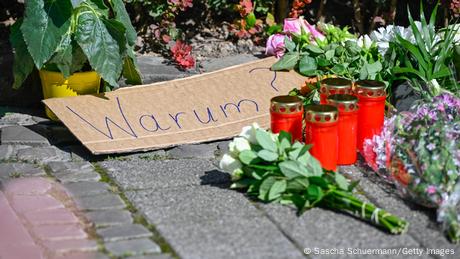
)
(181, 54)
(275, 45)
(292, 25)
(315, 34)
(431, 189)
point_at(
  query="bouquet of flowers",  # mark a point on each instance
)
(273, 169)
(419, 151)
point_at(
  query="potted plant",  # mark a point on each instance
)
(73, 44)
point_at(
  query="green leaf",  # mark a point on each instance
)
(314, 49)
(290, 169)
(314, 193)
(100, 47)
(122, 15)
(319, 181)
(247, 157)
(265, 141)
(285, 135)
(277, 189)
(63, 56)
(287, 62)
(265, 187)
(78, 58)
(250, 20)
(23, 63)
(264, 167)
(330, 54)
(130, 70)
(118, 33)
(45, 23)
(342, 182)
(312, 164)
(298, 184)
(289, 44)
(307, 66)
(322, 62)
(267, 155)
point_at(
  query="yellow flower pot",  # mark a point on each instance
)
(55, 85)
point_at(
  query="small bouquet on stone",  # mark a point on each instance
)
(273, 169)
(419, 151)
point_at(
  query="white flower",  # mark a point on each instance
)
(365, 42)
(238, 145)
(229, 164)
(249, 132)
(384, 35)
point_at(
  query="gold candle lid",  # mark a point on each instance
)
(321, 113)
(370, 88)
(335, 85)
(286, 104)
(343, 102)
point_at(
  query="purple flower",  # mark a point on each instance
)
(275, 45)
(431, 146)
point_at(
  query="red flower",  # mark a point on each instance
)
(245, 7)
(181, 54)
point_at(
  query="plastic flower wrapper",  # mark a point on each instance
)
(274, 169)
(425, 158)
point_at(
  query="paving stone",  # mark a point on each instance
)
(164, 174)
(320, 228)
(104, 218)
(78, 177)
(21, 252)
(224, 62)
(152, 256)
(66, 167)
(156, 69)
(81, 255)
(132, 247)
(79, 153)
(22, 203)
(228, 237)
(150, 155)
(52, 216)
(72, 245)
(9, 152)
(59, 232)
(42, 155)
(27, 186)
(122, 232)
(205, 151)
(222, 146)
(80, 189)
(20, 169)
(21, 135)
(100, 202)
(190, 204)
(12, 233)
(16, 118)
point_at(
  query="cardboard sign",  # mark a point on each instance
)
(196, 109)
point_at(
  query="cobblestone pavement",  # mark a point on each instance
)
(57, 200)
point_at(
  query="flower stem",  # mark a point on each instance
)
(345, 201)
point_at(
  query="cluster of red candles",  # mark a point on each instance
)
(338, 126)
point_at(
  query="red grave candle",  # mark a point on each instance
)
(321, 131)
(334, 85)
(371, 95)
(347, 126)
(286, 113)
